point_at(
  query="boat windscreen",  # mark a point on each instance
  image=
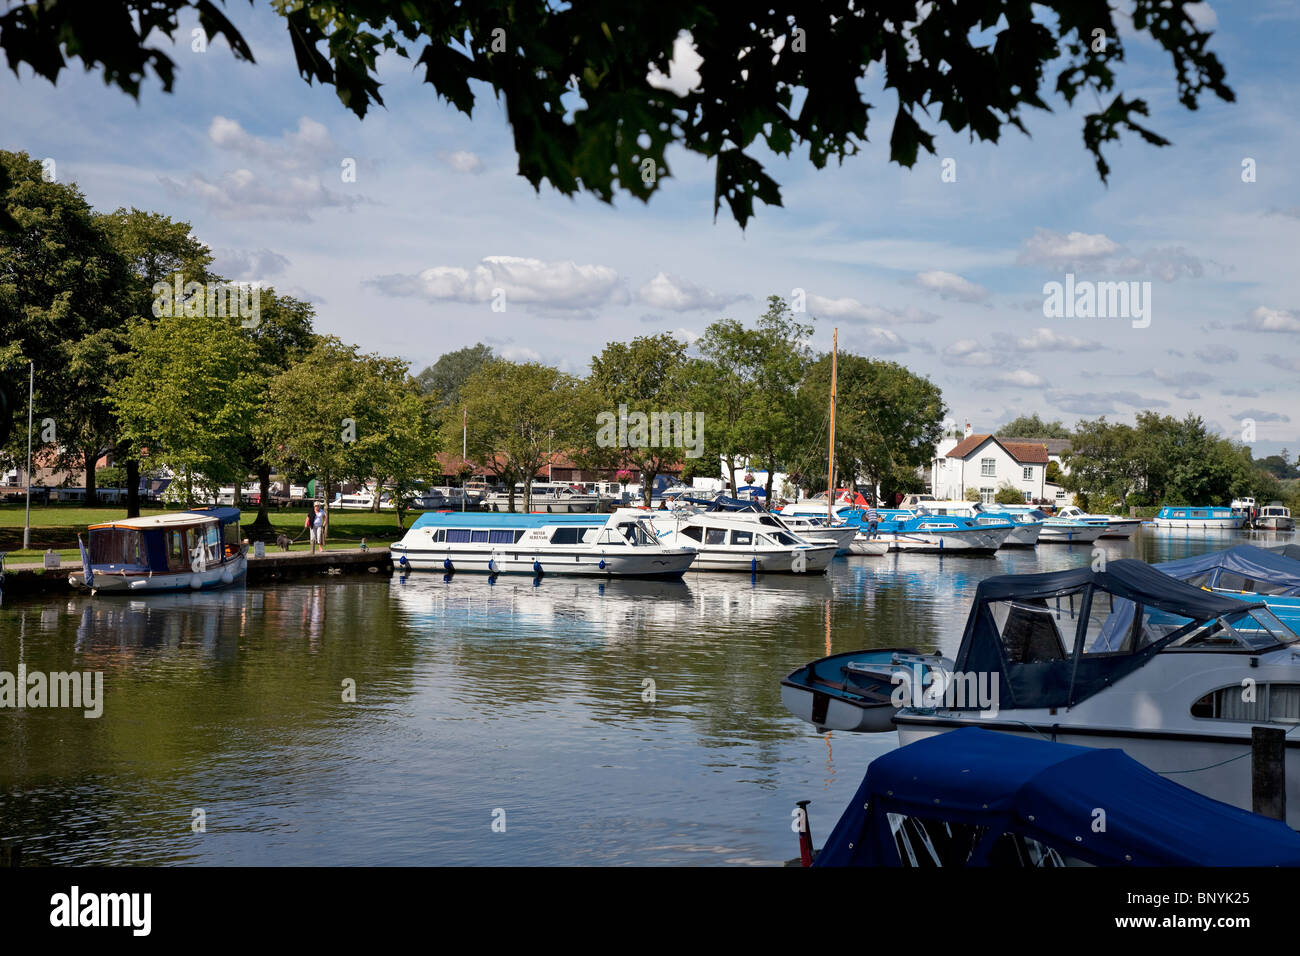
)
(124, 546)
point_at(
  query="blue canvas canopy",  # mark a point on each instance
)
(223, 513)
(1241, 568)
(996, 791)
(1039, 666)
(1291, 551)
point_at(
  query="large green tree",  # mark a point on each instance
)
(444, 377)
(774, 77)
(1031, 426)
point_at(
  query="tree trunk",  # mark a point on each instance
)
(132, 488)
(731, 475)
(261, 528)
(189, 488)
(90, 457)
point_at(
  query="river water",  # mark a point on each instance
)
(567, 722)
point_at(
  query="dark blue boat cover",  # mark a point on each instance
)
(1074, 674)
(1232, 565)
(1051, 793)
(223, 513)
(1291, 551)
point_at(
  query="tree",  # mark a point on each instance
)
(61, 285)
(648, 376)
(156, 249)
(1031, 426)
(518, 412)
(1008, 494)
(888, 421)
(721, 386)
(1104, 461)
(574, 80)
(1054, 473)
(444, 377)
(189, 398)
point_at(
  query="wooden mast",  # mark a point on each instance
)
(830, 470)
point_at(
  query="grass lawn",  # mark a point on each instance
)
(57, 527)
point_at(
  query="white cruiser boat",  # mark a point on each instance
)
(1115, 526)
(1026, 528)
(1186, 518)
(1173, 675)
(196, 550)
(739, 542)
(620, 545)
(1275, 517)
(548, 498)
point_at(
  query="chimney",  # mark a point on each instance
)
(968, 429)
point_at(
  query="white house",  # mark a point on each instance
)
(985, 462)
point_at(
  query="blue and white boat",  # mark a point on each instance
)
(855, 691)
(623, 544)
(907, 530)
(1116, 527)
(1247, 573)
(196, 550)
(1025, 527)
(1192, 518)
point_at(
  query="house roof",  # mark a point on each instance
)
(1055, 446)
(1028, 452)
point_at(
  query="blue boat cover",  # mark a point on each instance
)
(1033, 671)
(1291, 551)
(224, 514)
(1051, 793)
(1245, 561)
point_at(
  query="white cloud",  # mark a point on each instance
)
(463, 161)
(560, 286)
(683, 69)
(1260, 415)
(1264, 319)
(874, 341)
(248, 264)
(854, 311)
(310, 144)
(1020, 378)
(968, 352)
(948, 285)
(245, 194)
(675, 294)
(1053, 248)
(1043, 339)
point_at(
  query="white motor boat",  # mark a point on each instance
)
(548, 498)
(907, 530)
(1026, 528)
(1275, 517)
(730, 541)
(1115, 526)
(619, 545)
(864, 544)
(1174, 675)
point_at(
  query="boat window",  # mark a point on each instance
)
(932, 843)
(715, 536)
(769, 521)
(458, 535)
(742, 537)
(785, 539)
(502, 536)
(1028, 630)
(478, 536)
(116, 546)
(1199, 513)
(178, 558)
(212, 539)
(231, 536)
(567, 536)
(693, 532)
(439, 535)
(1231, 581)
(1180, 514)
(1279, 703)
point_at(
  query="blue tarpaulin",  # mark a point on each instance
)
(1241, 568)
(993, 784)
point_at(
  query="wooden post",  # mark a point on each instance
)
(1268, 771)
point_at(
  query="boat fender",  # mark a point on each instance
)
(402, 561)
(227, 576)
(602, 564)
(537, 568)
(492, 565)
(448, 566)
(196, 582)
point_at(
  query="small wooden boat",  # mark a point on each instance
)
(854, 691)
(195, 550)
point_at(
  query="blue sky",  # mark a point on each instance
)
(944, 277)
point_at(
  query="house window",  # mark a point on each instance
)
(987, 495)
(1028, 473)
(988, 467)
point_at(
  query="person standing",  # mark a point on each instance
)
(316, 523)
(873, 520)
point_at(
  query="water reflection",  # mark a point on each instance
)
(471, 695)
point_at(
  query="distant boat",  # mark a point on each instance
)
(853, 691)
(1024, 533)
(811, 528)
(1116, 527)
(1247, 573)
(906, 530)
(1192, 518)
(1275, 517)
(736, 542)
(548, 497)
(196, 550)
(619, 545)
(975, 798)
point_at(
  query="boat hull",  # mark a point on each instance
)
(812, 560)
(225, 575)
(854, 691)
(1205, 524)
(1275, 524)
(1078, 534)
(591, 562)
(864, 545)
(1121, 527)
(960, 541)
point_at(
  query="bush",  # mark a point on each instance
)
(1007, 495)
(972, 494)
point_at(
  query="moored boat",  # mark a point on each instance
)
(1116, 527)
(1247, 573)
(619, 545)
(854, 691)
(195, 550)
(547, 497)
(1189, 518)
(1275, 517)
(906, 530)
(1025, 526)
(736, 542)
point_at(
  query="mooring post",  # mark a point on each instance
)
(1268, 771)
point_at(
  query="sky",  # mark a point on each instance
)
(949, 278)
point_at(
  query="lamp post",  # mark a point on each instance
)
(27, 520)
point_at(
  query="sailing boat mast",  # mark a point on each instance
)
(830, 470)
